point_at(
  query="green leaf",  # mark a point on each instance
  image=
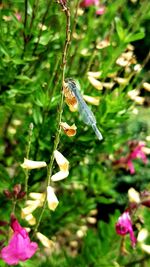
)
(119, 28)
(134, 37)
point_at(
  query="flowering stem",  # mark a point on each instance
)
(57, 137)
(27, 156)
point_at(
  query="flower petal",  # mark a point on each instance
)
(20, 248)
(94, 100)
(51, 198)
(62, 162)
(59, 176)
(69, 130)
(44, 240)
(31, 164)
(134, 196)
(97, 84)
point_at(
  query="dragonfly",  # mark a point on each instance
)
(86, 114)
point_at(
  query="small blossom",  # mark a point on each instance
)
(59, 176)
(97, 84)
(32, 205)
(18, 16)
(134, 196)
(31, 164)
(87, 3)
(100, 10)
(63, 164)
(146, 248)
(94, 100)
(146, 86)
(51, 198)
(142, 235)
(103, 44)
(124, 226)
(136, 151)
(20, 248)
(95, 74)
(45, 241)
(69, 130)
(30, 219)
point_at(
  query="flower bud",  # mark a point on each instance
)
(16, 189)
(21, 195)
(7, 193)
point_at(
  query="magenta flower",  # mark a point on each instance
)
(134, 153)
(124, 226)
(87, 3)
(20, 248)
(100, 11)
(138, 153)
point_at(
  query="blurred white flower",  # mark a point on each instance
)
(31, 164)
(134, 196)
(45, 241)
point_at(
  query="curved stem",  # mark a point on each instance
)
(57, 137)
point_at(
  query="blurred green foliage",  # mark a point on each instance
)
(30, 72)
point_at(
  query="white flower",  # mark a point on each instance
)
(31, 164)
(59, 176)
(45, 241)
(51, 198)
(134, 196)
(63, 164)
(142, 235)
(94, 100)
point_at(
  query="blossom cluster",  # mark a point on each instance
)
(136, 150)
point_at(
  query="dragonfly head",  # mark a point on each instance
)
(72, 84)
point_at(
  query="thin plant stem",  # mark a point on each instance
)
(39, 35)
(75, 20)
(53, 77)
(35, 7)
(25, 24)
(14, 205)
(57, 137)
(27, 156)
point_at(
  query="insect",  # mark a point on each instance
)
(86, 114)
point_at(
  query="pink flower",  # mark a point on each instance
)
(20, 248)
(124, 226)
(87, 3)
(18, 16)
(138, 153)
(100, 11)
(135, 152)
(130, 166)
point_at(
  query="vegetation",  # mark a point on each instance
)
(104, 47)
